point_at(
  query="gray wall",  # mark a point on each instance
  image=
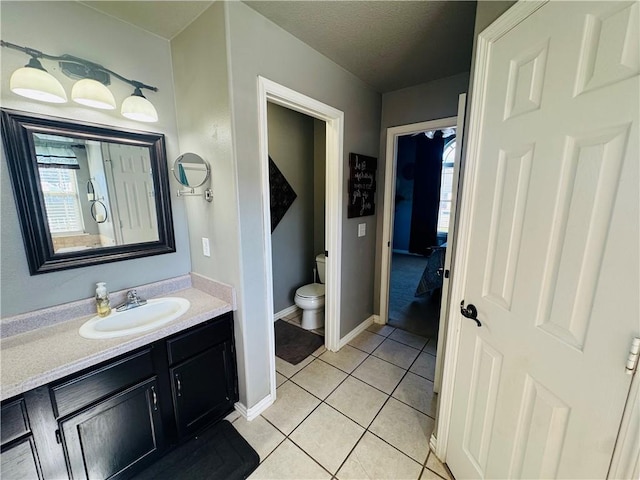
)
(204, 124)
(70, 27)
(428, 101)
(259, 47)
(291, 147)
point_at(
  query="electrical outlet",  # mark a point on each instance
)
(205, 247)
(362, 229)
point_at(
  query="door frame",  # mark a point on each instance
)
(270, 91)
(512, 17)
(393, 133)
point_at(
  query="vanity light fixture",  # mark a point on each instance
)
(33, 81)
(92, 93)
(137, 107)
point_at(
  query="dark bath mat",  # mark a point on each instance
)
(294, 344)
(217, 453)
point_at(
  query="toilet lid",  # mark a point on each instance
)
(311, 290)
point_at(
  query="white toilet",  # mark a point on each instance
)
(310, 298)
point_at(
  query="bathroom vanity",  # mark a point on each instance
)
(117, 416)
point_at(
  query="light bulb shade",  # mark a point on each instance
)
(92, 93)
(138, 108)
(37, 84)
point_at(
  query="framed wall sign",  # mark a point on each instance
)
(362, 185)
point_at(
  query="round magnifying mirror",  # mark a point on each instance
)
(191, 170)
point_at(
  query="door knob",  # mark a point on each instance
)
(470, 311)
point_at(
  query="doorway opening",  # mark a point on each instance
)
(430, 253)
(272, 93)
(297, 188)
(423, 194)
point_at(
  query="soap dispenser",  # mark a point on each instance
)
(102, 300)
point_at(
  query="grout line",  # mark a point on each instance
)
(304, 451)
(367, 428)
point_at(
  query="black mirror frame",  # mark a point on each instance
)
(20, 153)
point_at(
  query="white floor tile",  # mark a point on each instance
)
(415, 341)
(374, 459)
(328, 436)
(380, 374)
(418, 392)
(396, 353)
(233, 416)
(260, 434)
(405, 428)
(292, 405)
(288, 462)
(357, 400)
(429, 475)
(319, 378)
(384, 330)
(347, 359)
(321, 349)
(436, 466)
(425, 366)
(367, 341)
(280, 379)
(289, 370)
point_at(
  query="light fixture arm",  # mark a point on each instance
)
(74, 72)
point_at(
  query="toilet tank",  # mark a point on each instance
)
(320, 264)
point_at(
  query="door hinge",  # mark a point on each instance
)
(446, 273)
(326, 253)
(388, 244)
(58, 437)
(634, 354)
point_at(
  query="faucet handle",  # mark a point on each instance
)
(132, 295)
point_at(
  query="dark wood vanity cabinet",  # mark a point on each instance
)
(201, 384)
(113, 420)
(19, 455)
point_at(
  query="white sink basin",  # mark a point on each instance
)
(154, 314)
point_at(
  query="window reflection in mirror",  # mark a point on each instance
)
(86, 194)
(96, 194)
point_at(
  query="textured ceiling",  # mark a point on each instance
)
(164, 18)
(388, 44)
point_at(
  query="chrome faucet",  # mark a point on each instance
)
(133, 301)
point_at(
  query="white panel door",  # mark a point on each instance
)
(553, 257)
(134, 192)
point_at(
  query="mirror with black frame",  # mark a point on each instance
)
(85, 193)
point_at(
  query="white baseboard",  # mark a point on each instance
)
(256, 410)
(285, 312)
(358, 330)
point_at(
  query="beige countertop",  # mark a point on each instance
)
(43, 355)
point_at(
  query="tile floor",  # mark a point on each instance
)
(365, 412)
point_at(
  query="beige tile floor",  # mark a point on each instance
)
(365, 412)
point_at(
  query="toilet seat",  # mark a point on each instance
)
(313, 290)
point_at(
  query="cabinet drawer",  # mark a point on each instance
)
(14, 421)
(81, 391)
(189, 344)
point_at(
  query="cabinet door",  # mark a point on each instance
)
(201, 388)
(116, 437)
(20, 461)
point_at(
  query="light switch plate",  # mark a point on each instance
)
(362, 229)
(205, 247)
